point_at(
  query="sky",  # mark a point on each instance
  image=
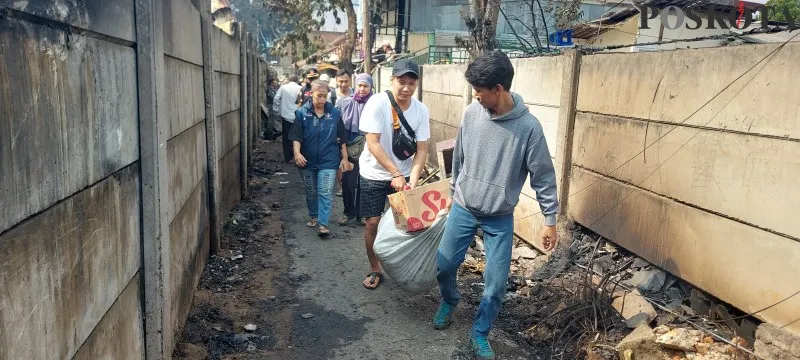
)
(330, 21)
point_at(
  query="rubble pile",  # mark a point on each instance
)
(594, 300)
(679, 343)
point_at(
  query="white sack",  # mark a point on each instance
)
(409, 258)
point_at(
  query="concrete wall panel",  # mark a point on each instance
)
(63, 269)
(443, 79)
(528, 221)
(446, 109)
(186, 156)
(114, 18)
(230, 185)
(226, 93)
(671, 87)
(227, 132)
(69, 115)
(226, 52)
(182, 38)
(701, 167)
(382, 78)
(190, 243)
(185, 99)
(548, 117)
(747, 267)
(538, 80)
(120, 335)
(439, 132)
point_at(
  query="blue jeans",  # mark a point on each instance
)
(319, 186)
(459, 232)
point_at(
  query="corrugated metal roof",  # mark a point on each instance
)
(772, 38)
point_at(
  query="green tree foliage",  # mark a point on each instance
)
(778, 9)
(300, 18)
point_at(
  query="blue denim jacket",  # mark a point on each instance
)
(320, 137)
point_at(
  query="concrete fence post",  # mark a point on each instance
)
(206, 28)
(257, 96)
(419, 83)
(377, 80)
(251, 82)
(566, 128)
(153, 125)
(243, 113)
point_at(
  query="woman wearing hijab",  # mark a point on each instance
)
(351, 108)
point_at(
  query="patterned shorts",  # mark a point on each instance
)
(374, 195)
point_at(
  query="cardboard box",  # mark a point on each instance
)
(416, 209)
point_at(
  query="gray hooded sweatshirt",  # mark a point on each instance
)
(494, 156)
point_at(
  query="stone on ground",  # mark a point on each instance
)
(641, 344)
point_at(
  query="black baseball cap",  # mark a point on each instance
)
(405, 66)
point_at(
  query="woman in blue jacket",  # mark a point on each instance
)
(318, 137)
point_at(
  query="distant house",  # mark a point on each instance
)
(433, 25)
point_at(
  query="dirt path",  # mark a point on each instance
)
(305, 294)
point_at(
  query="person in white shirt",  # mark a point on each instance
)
(382, 171)
(343, 89)
(285, 105)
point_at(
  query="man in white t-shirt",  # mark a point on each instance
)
(383, 173)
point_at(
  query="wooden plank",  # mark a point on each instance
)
(649, 85)
(114, 18)
(63, 269)
(187, 163)
(742, 265)
(538, 80)
(182, 36)
(184, 89)
(227, 93)
(69, 115)
(750, 178)
(226, 51)
(190, 236)
(119, 335)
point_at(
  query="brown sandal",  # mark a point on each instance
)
(312, 223)
(343, 220)
(323, 232)
(375, 279)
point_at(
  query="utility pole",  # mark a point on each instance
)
(366, 41)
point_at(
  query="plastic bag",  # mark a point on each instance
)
(409, 258)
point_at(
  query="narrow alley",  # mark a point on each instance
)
(145, 215)
(304, 294)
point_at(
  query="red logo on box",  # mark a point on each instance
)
(414, 224)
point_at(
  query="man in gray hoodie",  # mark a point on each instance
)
(499, 144)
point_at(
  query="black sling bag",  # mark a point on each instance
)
(403, 146)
